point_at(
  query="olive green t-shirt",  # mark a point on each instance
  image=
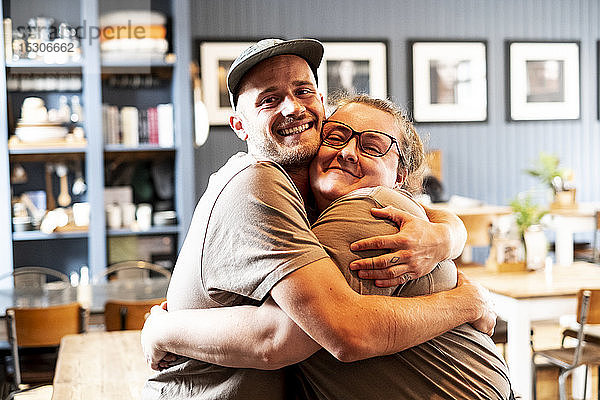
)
(460, 364)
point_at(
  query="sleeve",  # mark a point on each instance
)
(349, 219)
(258, 232)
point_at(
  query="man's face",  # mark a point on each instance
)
(281, 111)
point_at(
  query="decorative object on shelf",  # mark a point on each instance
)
(544, 80)
(7, 29)
(40, 128)
(79, 185)
(215, 60)
(42, 41)
(353, 67)
(133, 35)
(18, 174)
(48, 82)
(81, 214)
(34, 125)
(201, 124)
(560, 180)
(143, 216)
(449, 81)
(64, 199)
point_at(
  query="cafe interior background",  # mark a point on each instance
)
(139, 193)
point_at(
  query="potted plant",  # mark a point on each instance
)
(558, 179)
(528, 216)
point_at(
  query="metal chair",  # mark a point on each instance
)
(585, 353)
(124, 315)
(34, 277)
(40, 329)
(142, 266)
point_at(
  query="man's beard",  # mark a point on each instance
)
(288, 157)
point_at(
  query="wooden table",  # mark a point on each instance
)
(523, 297)
(477, 221)
(100, 365)
(566, 222)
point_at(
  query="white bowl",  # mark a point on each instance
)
(40, 133)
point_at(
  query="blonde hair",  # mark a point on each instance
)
(412, 153)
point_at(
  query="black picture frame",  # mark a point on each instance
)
(448, 80)
(214, 58)
(543, 80)
(354, 65)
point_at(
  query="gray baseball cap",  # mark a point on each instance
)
(309, 49)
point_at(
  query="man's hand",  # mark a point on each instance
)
(415, 249)
(156, 357)
(480, 297)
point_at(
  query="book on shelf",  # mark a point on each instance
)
(165, 125)
(131, 126)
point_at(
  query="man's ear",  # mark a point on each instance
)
(238, 127)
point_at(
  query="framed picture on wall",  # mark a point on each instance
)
(543, 80)
(353, 67)
(449, 80)
(215, 59)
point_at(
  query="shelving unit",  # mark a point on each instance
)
(90, 247)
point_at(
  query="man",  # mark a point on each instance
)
(250, 241)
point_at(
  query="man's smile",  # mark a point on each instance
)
(293, 130)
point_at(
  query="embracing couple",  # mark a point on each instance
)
(309, 272)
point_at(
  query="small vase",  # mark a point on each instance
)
(536, 247)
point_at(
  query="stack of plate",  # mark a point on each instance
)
(40, 131)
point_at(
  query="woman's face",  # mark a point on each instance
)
(335, 172)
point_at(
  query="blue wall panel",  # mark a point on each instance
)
(482, 160)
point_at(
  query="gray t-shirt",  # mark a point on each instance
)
(460, 364)
(249, 230)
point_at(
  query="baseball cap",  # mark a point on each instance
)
(310, 50)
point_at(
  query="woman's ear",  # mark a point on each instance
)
(238, 127)
(401, 178)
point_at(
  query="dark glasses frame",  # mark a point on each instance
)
(357, 133)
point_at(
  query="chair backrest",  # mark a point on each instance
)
(125, 315)
(593, 307)
(45, 326)
(136, 265)
(41, 327)
(33, 276)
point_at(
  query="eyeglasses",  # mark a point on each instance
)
(373, 143)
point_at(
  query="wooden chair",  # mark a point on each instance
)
(143, 267)
(595, 243)
(40, 329)
(125, 315)
(585, 353)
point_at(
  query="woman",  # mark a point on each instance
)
(368, 151)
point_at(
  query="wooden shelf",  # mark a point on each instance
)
(38, 235)
(35, 66)
(154, 230)
(119, 148)
(133, 66)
